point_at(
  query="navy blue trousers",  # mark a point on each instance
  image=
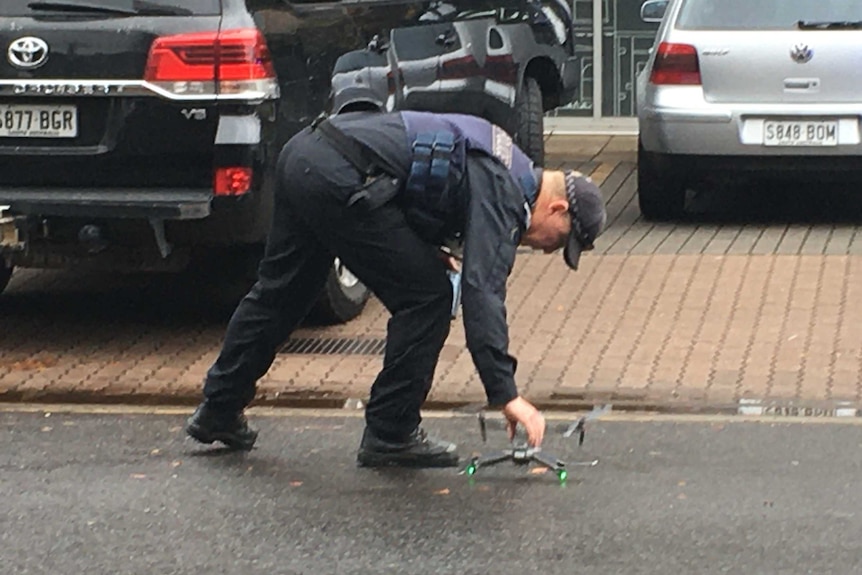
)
(311, 225)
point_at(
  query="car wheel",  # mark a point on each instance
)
(661, 186)
(530, 135)
(5, 274)
(343, 298)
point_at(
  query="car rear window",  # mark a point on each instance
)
(196, 7)
(764, 14)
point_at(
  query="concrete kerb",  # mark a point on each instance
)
(746, 407)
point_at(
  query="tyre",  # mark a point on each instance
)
(661, 186)
(5, 274)
(529, 134)
(343, 298)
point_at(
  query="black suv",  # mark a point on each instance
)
(143, 133)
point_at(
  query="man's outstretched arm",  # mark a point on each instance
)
(495, 223)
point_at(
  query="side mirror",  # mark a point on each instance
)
(653, 10)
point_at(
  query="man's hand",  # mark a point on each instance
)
(519, 410)
(451, 262)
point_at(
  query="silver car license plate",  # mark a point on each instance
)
(800, 133)
(38, 121)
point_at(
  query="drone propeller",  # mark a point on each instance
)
(579, 426)
(567, 430)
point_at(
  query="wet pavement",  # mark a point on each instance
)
(125, 493)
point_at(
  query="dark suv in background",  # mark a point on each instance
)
(143, 134)
(509, 62)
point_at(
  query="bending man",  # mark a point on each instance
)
(384, 192)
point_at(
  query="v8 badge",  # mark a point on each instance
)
(194, 113)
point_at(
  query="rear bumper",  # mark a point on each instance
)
(680, 120)
(166, 204)
(730, 134)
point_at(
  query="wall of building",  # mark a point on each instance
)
(624, 49)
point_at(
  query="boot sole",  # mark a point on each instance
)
(367, 459)
(229, 439)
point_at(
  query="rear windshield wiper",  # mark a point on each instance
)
(838, 25)
(133, 8)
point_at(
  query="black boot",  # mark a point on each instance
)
(418, 450)
(209, 424)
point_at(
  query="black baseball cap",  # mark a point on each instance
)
(589, 216)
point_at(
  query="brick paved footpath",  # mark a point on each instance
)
(688, 316)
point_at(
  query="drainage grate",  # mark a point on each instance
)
(333, 346)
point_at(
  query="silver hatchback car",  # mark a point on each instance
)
(748, 87)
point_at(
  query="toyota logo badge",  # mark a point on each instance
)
(28, 53)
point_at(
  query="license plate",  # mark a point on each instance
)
(43, 121)
(800, 133)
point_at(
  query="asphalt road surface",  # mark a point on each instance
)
(126, 493)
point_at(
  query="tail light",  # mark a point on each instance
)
(502, 69)
(232, 64)
(233, 181)
(459, 68)
(676, 64)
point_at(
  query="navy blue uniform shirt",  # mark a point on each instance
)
(496, 216)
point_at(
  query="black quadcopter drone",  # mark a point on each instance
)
(522, 454)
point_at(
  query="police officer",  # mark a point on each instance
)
(384, 192)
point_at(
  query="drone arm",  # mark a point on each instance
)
(493, 458)
(548, 461)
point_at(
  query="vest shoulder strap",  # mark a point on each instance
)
(352, 150)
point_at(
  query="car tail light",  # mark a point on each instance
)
(676, 64)
(233, 181)
(502, 69)
(459, 68)
(232, 64)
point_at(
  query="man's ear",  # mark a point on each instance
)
(557, 206)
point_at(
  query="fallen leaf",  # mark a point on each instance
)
(295, 483)
(442, 492)
(155, 451)
(483, 488)
(682, 496)
(681, 483)
(175, 428)
(539, 470)
(138, 476)
(46, 428)
(176, 463)
(69, 423)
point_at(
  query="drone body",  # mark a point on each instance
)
(523, 454)
(519, 455)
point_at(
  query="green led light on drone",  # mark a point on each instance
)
(563, 475)
(471, 470)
